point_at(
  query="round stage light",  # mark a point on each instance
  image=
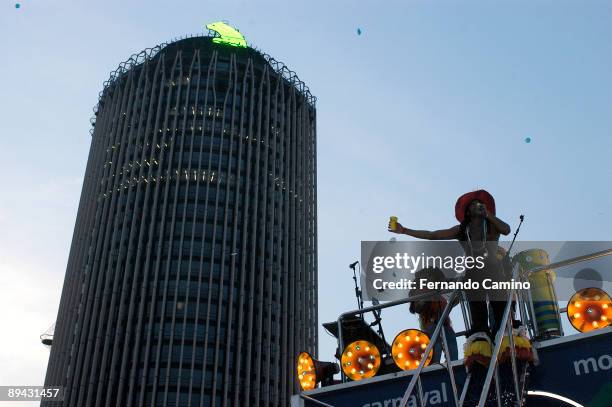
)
(360, 360)
(306, 371)
(589, 309)
(409, 348)
(311, 371)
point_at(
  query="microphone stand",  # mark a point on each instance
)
(521, 218)
(357, 290)
(511, 261)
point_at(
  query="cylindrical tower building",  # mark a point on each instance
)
(192, 276)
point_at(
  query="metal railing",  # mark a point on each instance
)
(365, 310)
(507, 328)
(526, 310)
(450, 304)
(434, 338)
(532, 322)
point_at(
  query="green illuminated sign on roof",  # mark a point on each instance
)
(227, 34)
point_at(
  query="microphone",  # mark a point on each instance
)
(352, 265)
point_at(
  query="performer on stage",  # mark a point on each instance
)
(478, 231)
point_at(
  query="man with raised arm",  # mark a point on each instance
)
(478, 232)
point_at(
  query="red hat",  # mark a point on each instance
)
(466, 199)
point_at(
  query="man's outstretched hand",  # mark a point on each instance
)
(398, 228)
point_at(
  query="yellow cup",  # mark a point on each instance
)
(393, 222)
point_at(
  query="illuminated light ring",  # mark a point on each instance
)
(306, 371)
(554, 396)
(409, 347)
(360, 360)
(589, 309)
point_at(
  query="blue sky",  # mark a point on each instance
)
(433, 99)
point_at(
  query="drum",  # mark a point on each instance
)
(545, 304)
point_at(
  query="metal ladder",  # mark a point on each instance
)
(527, 314)
(493, 370)
(526, 309)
